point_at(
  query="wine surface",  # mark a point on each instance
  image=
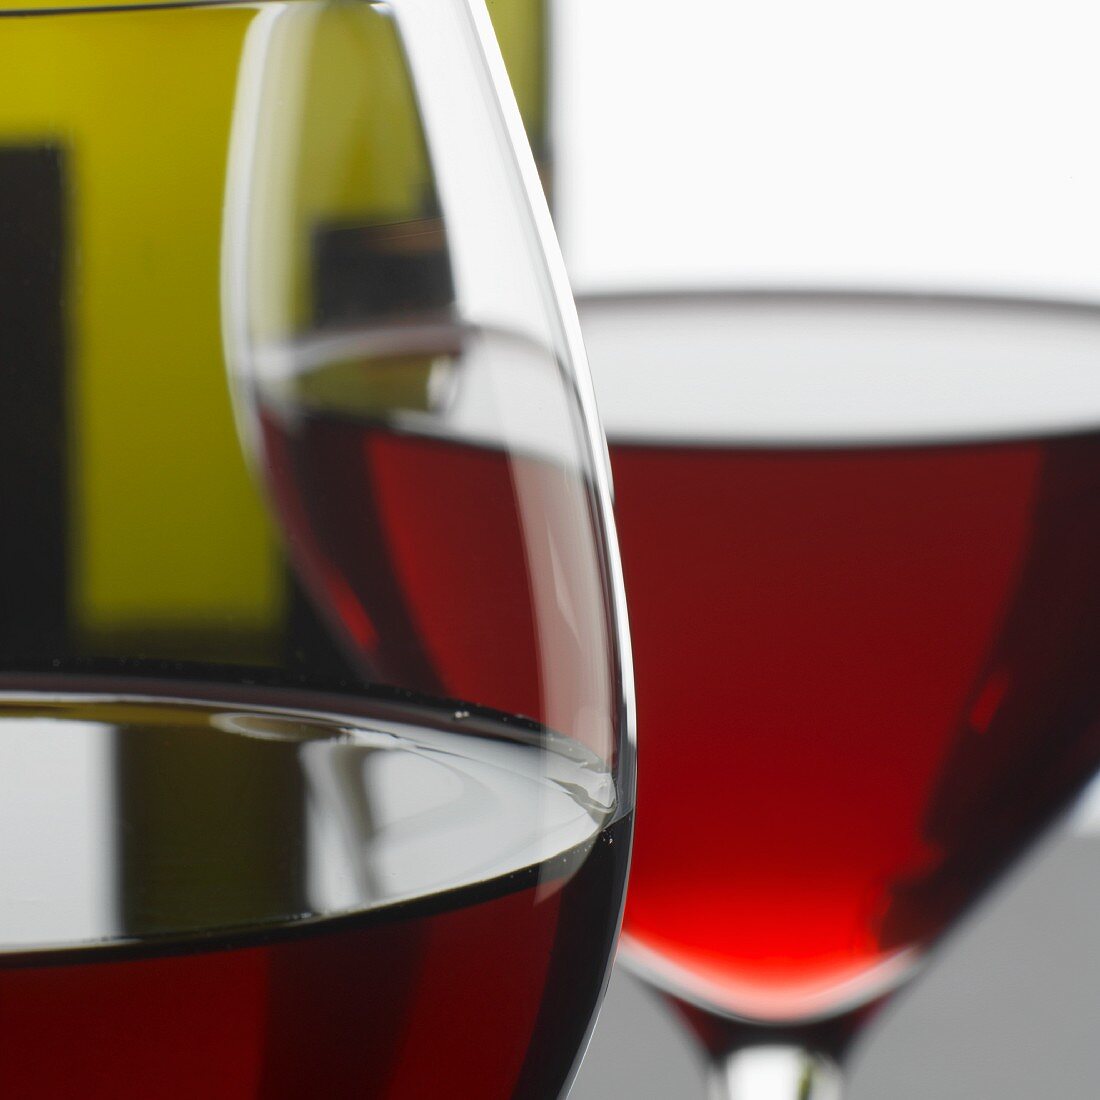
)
(224, 900)
(866, 674)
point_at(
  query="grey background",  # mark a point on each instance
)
(1008, 1007)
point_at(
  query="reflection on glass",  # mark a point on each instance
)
(392, 812)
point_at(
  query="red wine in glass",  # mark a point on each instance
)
(374, 506)
(432, 901)
(863, 602)
(860, 539)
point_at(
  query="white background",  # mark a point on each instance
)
(946, 143)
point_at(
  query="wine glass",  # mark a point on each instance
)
(837, 282)
(888, 588)
(316, 768)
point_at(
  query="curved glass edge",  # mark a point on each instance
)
(521, 288)
(572, 352)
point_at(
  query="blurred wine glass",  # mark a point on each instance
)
(837, 284)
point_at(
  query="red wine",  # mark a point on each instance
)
(866, 673)
(453, 548)
(439, 907)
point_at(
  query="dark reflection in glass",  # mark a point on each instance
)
(364, 271)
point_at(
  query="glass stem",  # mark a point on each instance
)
(797, 1061)
(774, 1072)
